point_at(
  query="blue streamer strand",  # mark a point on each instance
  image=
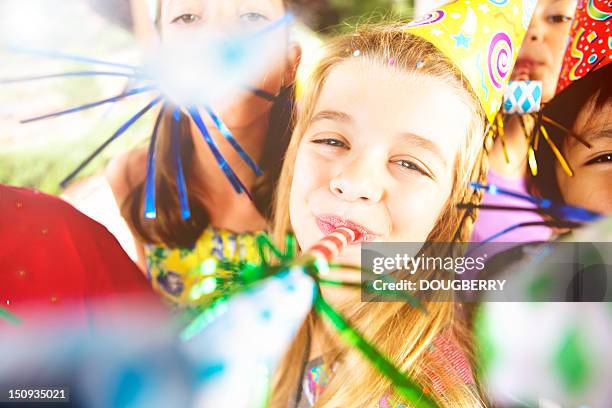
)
(230, 138)
(150, 209)
(567, 212)
(125, 94)
(69, 57)
(223, 164)
(68, 75)
(560, 224)
(493, 189)
(261, 93)
(178, 164)
(103, 146)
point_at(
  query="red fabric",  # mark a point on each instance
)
(53, 257)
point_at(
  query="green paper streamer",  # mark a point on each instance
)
(405, 387)
(9, 317)
(248, 274)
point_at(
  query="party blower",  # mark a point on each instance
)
(268, 312)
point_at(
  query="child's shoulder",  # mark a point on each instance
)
(126, 171)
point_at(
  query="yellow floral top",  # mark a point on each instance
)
(189, 277)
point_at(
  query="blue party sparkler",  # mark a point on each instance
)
(139, 75)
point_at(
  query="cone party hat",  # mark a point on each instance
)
(590, 42)
(482, 38)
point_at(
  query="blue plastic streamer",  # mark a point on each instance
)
(493, 189)
(123, 95)
(223, 164)
(103, 146)
(178, 164)
(559, 224)
(230, 138)
(70, 57)
(68, 75)
(262, 94)
(150, 210)
(567, 212)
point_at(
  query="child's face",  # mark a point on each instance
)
(541, 54)
(180, 19)
(378, 156)
(187, 21)
(591, 185)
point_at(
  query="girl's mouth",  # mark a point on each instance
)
(329, 223)
(524, 68)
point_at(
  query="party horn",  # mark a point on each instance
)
(334, 243)
(522, 97)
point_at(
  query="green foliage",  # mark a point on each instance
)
(352, 12)
(43, 167)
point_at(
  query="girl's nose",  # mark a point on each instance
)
(534, 32)
(357, 182)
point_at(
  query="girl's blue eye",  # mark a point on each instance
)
(253, 17)
(558, 18)
(604, 158)
(411, 166)
(186, 19)
(330, 142)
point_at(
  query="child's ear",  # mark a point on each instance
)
(294, 55)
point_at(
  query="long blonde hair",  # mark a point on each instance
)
(397, 329)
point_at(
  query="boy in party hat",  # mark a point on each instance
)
(575, 152)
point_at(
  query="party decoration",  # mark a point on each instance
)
(562, 211)
(268, 315)
(8, 316)
(589, 50)
(590, 45)
(563, 216)
(522, 97)
(260, 288)
(570, 363)
(482, 38)
(183, 80)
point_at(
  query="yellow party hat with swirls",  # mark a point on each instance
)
(482, 38)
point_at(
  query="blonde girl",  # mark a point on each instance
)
(387, 138)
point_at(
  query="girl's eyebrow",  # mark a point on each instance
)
(175, 3)
(420, 141)
(332, 115)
